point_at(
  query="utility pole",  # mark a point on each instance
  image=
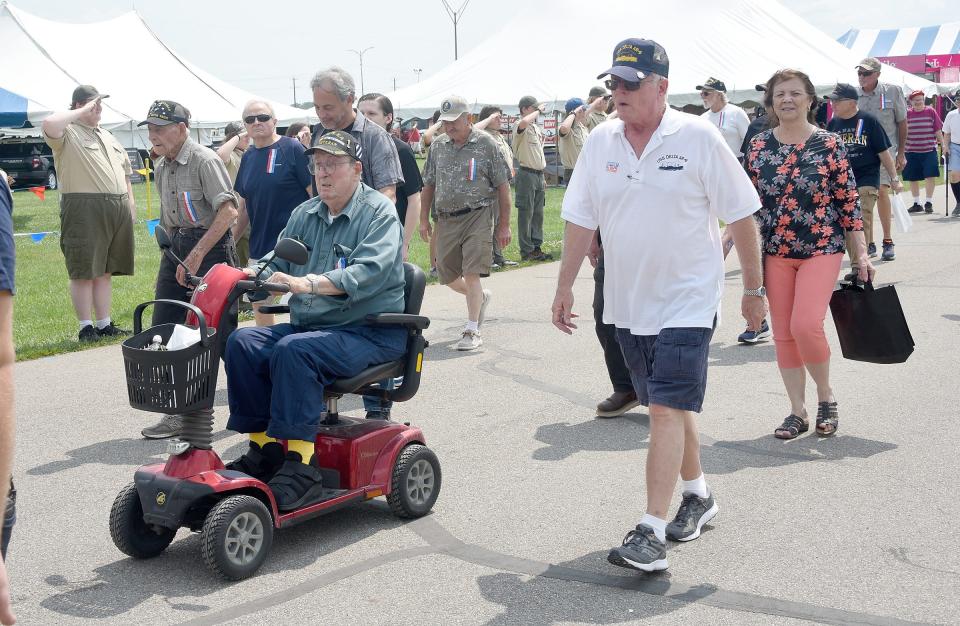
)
(394, 83)
(417, 72)
(295, 102)
(455, 18)
(360, 54)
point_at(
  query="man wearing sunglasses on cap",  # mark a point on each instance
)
(656, 182)
(197, 209)
(886, 103)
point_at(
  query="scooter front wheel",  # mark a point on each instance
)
(236, 537)
(130, 533)
(415, 483)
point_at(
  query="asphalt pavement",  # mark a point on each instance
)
(858, 528)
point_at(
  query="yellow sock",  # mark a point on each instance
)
(303, 448)
(261, 439)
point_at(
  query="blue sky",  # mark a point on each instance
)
(262, 45)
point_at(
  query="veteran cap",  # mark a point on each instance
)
(714, 84)
(337, 143)
(843, 91)
(163, 112)
(633, 59)
(452, 108)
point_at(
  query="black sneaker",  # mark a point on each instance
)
(260, 463)
(641, 550)
(753, 336)
(888, 252)
(849, 276)
(88, 334)
(113, 331)
(928, 207)
(871, 249)
(296, 484)
(378, 414)
(693, 513)
(916, 208)
(956, 211)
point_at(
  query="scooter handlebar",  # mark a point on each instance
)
(253, 285)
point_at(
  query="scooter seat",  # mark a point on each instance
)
(391, 369)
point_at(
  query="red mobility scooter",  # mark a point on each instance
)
(234, 513)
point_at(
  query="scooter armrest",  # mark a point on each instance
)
(418, 322)
(272, 309)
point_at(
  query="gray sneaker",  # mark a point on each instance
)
(169, 426)
(487, 296)
(956, 211)
(470, 341)
(640, 550)
(693, 513)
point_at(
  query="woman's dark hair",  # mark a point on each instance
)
(784, 75)
(386, 107)
(294, 129)
(489, 110)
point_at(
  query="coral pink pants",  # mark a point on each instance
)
(799, 292)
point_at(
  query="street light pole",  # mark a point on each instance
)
(417, 72)
(455, 18)
(360, 54)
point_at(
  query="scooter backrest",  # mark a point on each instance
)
(415, 282)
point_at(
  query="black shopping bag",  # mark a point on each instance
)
(870, 323)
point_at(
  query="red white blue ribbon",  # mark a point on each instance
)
(720, 121)
(271, 160)
(883, 102)
(189, 208)
(859, 129)
(472, 170)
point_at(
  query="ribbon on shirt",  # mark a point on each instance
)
(189, 208)
(859, 130)
(472, 170)
(271, 160)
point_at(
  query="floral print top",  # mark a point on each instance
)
(808, 193)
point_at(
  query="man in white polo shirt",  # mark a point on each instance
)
(656, 182)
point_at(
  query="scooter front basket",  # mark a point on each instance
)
(170, 381)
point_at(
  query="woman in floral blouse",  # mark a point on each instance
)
(810, 210)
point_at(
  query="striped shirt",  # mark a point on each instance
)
(922, 128)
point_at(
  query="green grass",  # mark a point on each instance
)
(44, 323)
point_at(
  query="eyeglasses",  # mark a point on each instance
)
(263, 117)
(328, 167)
(705, 93)
(864, 73)
(615, 83)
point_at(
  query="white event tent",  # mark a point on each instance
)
(43, 61)
(555, 50)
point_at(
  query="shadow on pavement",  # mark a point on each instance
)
(536, 602)
(632, 432)
(723, 355)
(179, 572)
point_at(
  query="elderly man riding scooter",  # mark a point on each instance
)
(276, 374)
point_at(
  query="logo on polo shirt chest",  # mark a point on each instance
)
(613, 167)
(671, 162)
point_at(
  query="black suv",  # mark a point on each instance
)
(29, 161)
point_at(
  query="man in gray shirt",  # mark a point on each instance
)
(334, 93)
(886, 103)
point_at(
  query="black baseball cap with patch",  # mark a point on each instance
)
(337, 143)
(633, 59)
(163, 112)
(843, 91)
(714, 84)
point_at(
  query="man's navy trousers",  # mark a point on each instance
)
(276, 374)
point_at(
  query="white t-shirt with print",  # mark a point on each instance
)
(732, 122)
(658, 218)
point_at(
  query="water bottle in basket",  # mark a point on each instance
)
(156, 344)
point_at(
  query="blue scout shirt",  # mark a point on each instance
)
(359, 250)
(273, 182)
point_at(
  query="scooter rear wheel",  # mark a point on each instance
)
(130, 533)
(415, 483)
(236, 537)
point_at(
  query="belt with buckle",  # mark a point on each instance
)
(461, 211)
(530, 169)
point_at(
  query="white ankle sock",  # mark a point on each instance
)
(928, 199)
(697, 486)
(658, 525)
(101, 324)
(916, 199)
(85, 323)
(472, 326)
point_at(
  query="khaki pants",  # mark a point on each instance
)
(868, 201)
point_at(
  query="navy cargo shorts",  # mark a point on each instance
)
(669, 369)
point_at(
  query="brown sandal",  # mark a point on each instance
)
(828, 419)
(792, 426)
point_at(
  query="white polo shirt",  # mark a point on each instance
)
(732, 121)
(658, 217)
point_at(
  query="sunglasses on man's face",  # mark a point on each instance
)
(615, 83)
(263, 117)
(864, 73)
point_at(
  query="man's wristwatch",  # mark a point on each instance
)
(314, 281)
(760, 291)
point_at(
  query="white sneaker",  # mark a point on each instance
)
(470, 341)
(487, 296)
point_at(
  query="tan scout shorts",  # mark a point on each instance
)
(464, 245)
(96, 235)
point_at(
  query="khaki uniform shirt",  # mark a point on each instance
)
(528, 146)
(571, 144)
(192, 187)
(465, 177)
(233, 165)
(594, 118)
(90, 160)
(888, 105)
